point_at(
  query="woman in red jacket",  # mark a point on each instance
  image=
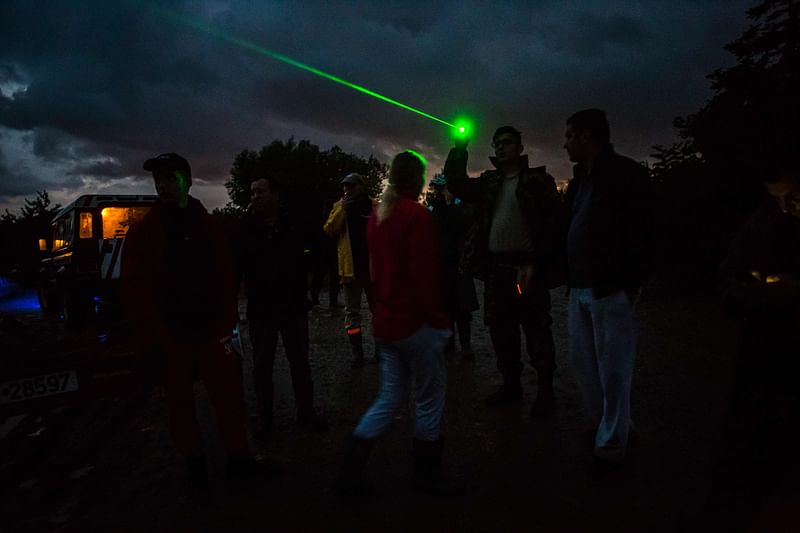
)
(410, 327)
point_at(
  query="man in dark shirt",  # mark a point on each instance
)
(608, 261)
(178, 287)
(761, 281)
(269, 256)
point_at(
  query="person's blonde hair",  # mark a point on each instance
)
(406, 178)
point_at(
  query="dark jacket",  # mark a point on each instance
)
(270, 259)
(610, 230)
(177, 278)
(358, 215)
(539, 202)
(348, 228)
(767, 247)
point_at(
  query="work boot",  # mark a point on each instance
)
(505, 395)
(333, 300)
(450, 347)
(307, 416)
(263, 429)
(428, 475)
(245, 467)
(312, 420)
(348, 481)
(543, 405)
(197, 471)
(357, 345)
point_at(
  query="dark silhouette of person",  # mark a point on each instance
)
(512, 245)
(609, 258)
(760, 278)
(178, 287)
(458, 289)
(270, 245)
(324, 264)
(411, 329)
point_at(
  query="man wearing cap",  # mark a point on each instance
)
(178, 287)
(512, 245)
(347, 225)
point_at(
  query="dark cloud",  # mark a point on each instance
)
(109, 84)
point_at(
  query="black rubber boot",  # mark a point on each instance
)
(197, 472)
(357, 345)
(428, 475)
(245, 467)
(543, 405)
(348, 481)
(505, 395)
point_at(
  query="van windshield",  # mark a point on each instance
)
(117, 220)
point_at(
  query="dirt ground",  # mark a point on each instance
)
(109, 466)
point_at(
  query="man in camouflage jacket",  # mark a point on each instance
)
(513, 245)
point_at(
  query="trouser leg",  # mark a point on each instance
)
(615, 342)
(264, 337)
(352, 321)
(352, 298)
(333, 289)
(537, 325)
(391, 395)
(428, 370)
(583, 354)
(294, 332)
(317, 277)
(179, 392)
(220, 371)
(464, 327)
(504, 332)
(502, 316)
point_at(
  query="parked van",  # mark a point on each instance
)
(79, 275)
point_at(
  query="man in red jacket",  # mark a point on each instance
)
(410, 327)
(178, 287)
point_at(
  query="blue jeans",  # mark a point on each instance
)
(420, 358)
(602, 344)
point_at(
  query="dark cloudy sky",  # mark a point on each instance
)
(89, 89)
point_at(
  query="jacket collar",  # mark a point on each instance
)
(579, 170)
(523, 163)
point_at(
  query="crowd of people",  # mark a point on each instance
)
(510, 227)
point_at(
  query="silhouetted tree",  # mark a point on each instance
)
(751, 119)
(303, 167)
(19, 234)
(711, 178)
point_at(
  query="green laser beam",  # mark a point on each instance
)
(289, 61)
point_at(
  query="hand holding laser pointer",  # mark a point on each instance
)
(525, 277)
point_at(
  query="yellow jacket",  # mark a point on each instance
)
(336, 228)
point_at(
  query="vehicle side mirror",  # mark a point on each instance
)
(107, 248)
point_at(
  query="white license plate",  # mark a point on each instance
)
(19, 390)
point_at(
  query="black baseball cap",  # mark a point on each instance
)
(168, 163)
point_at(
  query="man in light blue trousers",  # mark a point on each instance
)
(609, 251)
